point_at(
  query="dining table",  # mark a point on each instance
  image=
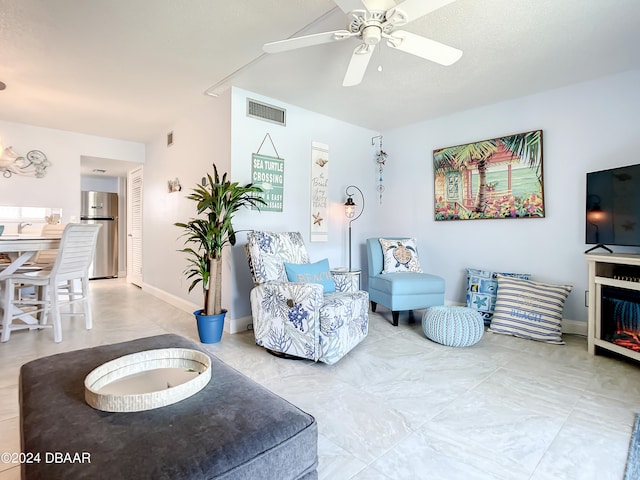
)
(20, 249)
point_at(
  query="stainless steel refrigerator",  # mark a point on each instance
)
(102, 208)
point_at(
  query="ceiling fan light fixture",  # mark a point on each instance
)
(371, 34)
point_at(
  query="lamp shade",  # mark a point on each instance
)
(349, 207)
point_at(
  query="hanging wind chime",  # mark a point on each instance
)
(381, 157)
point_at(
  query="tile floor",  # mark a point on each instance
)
(398, 406)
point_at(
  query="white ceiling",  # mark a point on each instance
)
(128, 69)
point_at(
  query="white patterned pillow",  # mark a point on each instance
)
(400, 255)
(529, 309)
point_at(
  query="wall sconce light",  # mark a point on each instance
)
(350, 212)
(174, 185)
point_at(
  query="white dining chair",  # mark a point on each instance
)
(69, 270)
(45, 258)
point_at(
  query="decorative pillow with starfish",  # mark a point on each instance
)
(482, 290)
(400, 255)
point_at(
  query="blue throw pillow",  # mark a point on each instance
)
(482, 290)
(318, 272)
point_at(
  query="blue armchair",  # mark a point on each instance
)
(401, 290)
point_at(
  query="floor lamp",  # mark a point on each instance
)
(350, 210)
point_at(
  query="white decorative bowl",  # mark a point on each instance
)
(147, 380)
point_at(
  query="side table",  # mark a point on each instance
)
(343, 275)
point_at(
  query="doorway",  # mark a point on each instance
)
(104, 174)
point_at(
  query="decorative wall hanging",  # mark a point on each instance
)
(268, 173)
(34, 164)
(497, 178)
(319, 192)
(381, 158)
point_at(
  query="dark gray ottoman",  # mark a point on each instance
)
(232, 429)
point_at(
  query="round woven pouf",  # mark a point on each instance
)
(453, 326)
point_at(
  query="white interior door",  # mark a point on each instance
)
(134, 227)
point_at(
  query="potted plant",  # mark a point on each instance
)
(217, 201)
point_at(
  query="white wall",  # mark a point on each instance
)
(586, 127)
(200, 138)
(61, 186)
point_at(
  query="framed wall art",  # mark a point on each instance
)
(496, 178)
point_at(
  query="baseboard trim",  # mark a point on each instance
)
(574, 327)
(231, 325)
(177, 302)
(242, 324)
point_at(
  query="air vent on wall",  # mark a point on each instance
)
(266, 112)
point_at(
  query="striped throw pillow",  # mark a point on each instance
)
(529, 309)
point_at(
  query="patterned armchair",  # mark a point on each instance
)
(299, 319)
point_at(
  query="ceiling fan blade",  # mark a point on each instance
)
(306, 41)
(424, 47)
(350, 5)
(358, 65)
(410, 10)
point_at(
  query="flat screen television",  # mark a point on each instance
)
(613, 207)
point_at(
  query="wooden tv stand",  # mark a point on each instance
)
(616, 271)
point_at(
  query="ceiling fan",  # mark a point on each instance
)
(371, 21)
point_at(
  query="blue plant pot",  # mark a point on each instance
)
(210, 327)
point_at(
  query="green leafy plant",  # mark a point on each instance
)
(207, 235)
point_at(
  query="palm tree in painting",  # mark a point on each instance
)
(525, 146)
